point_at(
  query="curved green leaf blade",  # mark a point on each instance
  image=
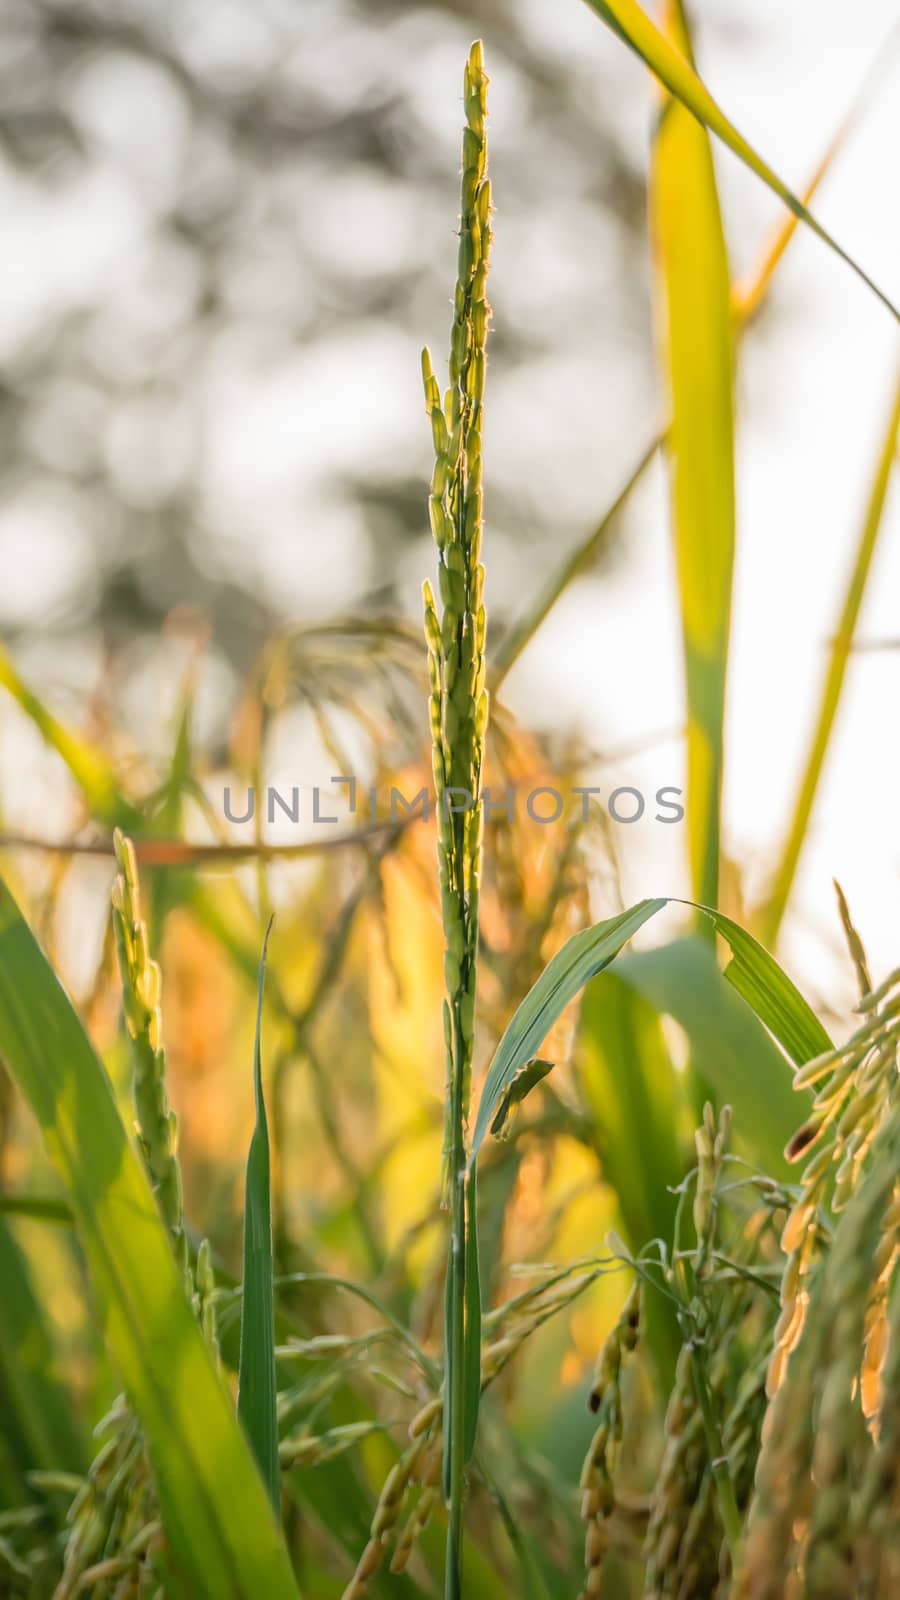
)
(581, 958)
(769, 991)
(91, 769)
(695, 1001)
(729, 1046)
(635, 29)
(257, 1377)
(224, 1540)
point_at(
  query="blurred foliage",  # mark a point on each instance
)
(218, 212)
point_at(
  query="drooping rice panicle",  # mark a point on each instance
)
(597, 1481)
(694, 1524)
(743, 1425)
(679, 1476)
(847, 1112)
(414, 1527)
(514, 1323)
(877, 1510)
(388, 1511)
(801, 1519)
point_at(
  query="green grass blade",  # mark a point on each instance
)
(748, 296)
(841, 645)
(632, 25)
(729, 1047)
(697, 350)
(223, 1536)
(92, 771)
(628, 1083)
(257, 1380)
(683, 980)
(36, 1403)
(581, 958)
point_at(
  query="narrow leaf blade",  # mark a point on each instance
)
(632, 25)
(90, 768)
(223, 1537)
(729, 1046)
(257, 1378)
(581, 958)
(766, 987)
(637, 1105)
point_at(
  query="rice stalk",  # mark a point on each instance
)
(459, 712)
(421, 1464)
(597, 1482)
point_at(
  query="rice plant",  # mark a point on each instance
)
(614, 1326)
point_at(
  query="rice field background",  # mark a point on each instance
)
(448, 1001)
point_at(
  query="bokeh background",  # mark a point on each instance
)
(228, 231)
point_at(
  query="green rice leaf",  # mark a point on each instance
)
(581, 958)
(766, 987)
(697, 349)
(223, 1538)
(729, 1046)
(680, 981)
(92, 771)
(257, 1380)
(636, 1104)
(632, 25)
(522, 1084)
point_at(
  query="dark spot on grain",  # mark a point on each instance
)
(802, 1140)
